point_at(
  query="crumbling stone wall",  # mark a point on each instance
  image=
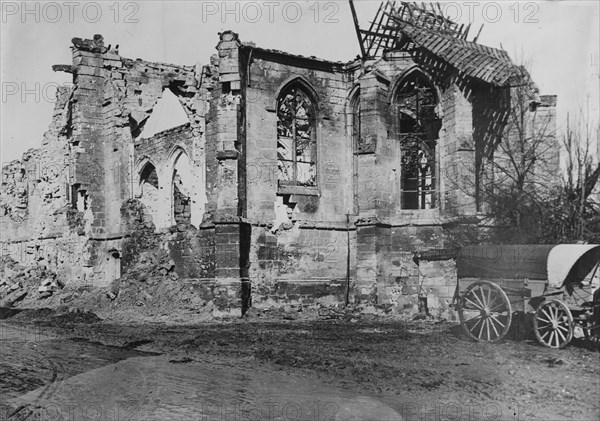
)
(165, 152)
(73, 187)
(39, 226)
(117, 96)
(208, 192)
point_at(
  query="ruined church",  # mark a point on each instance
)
(295, 179)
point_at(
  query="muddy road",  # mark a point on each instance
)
(78, 367)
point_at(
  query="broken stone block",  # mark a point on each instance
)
(170, 265)
(46, 283)
(145, 296)
(13, 298)
(48, 288)
(9, 273)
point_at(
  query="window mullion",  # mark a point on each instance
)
(294, 151)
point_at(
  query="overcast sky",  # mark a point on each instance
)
(560, 39)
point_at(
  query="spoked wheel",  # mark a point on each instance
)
(553, 324)
(485, 312)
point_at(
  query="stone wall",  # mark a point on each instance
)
(97, 193)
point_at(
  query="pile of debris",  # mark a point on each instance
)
(145, 281)
(18, 282)
(152, 287)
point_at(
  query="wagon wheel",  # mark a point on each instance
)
(485, 312)
(553, 324)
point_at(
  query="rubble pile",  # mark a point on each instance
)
(152, 286)
(19, 283)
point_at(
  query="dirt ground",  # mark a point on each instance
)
(422, 369)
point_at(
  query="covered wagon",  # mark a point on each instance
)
(557, 283)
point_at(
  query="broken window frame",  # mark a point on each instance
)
(146, 172)
(418, 183)
(416, 100)
(79, 198)
(288, 119)
(178, 193)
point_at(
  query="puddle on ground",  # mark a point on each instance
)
(45, 378)
(31, 358)
(156, 388)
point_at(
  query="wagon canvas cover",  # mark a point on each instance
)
(571, 263)
(515, 261)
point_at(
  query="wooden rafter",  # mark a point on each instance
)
(424, 32)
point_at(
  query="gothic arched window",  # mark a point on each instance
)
(148, 175)
(357, 145)
(418, 125)
(296, 137)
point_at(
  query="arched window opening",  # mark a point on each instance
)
(166, 114)
(296, 138)
(148, 176)
(182, 190)
(148, 190)
(357, 145)
(418, 126)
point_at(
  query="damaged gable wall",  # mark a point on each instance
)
(85, 170)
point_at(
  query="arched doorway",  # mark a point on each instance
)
(113, 266)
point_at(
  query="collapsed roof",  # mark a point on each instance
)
(434, 40)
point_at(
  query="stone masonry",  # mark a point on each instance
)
(296, 181)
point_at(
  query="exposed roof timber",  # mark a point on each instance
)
(411, 27)
(489, 64)
(357, 27)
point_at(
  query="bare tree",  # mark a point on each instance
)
(576, 211)
(524, 167)
(529, 196)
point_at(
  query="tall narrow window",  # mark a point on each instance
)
(182, 190)
(356, 139)
(356, 146)
(149, 191)
(296, 138)
(418, 126)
